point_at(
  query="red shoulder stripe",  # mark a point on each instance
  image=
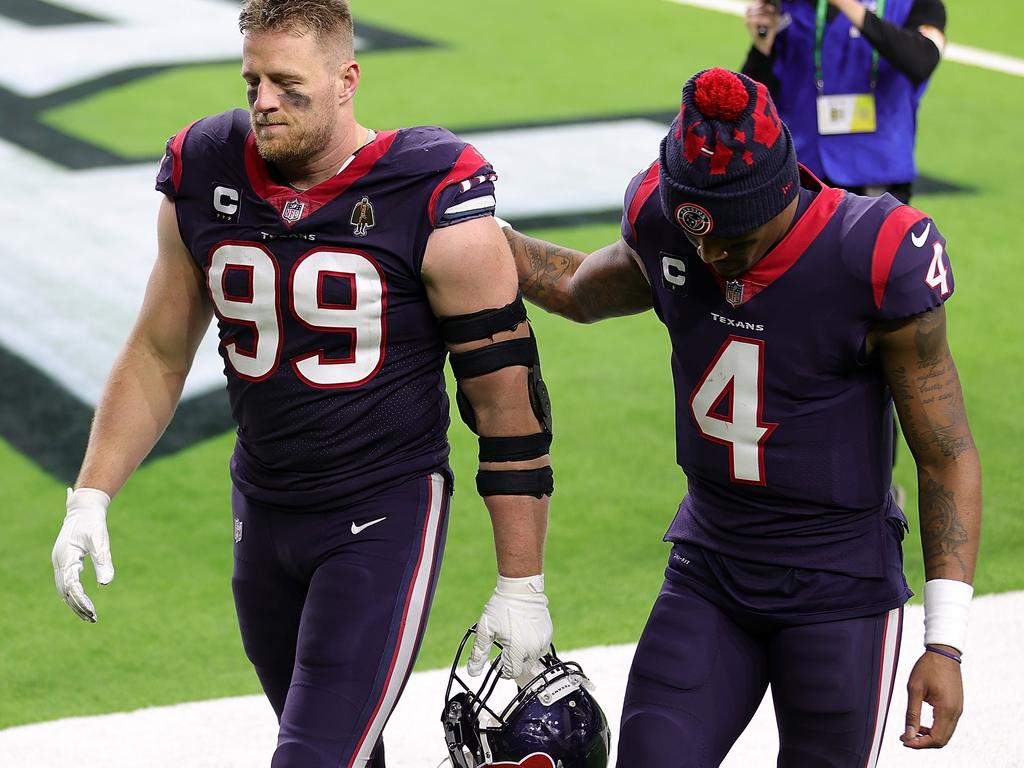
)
(644, 191)
(468, 163)
(891, 234)
(176, 144)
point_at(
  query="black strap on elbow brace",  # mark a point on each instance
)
(483, 324)
(480, 362)
(521, 448)
(516, 482)
(501, 354)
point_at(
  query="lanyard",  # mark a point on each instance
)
(819, 34)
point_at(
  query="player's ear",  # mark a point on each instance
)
(348, 80)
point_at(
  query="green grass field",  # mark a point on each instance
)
(167, 630)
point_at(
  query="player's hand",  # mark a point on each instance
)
(517, 617)
(762, 16)
(936, 680)
(84, 532)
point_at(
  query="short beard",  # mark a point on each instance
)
(300, 145)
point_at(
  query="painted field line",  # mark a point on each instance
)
(961, 54)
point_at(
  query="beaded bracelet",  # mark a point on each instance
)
(941, 652)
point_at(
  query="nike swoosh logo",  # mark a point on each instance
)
(360, 528)
(919, 241)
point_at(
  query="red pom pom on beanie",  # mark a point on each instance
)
(720, 95)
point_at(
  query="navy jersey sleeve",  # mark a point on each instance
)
(466, 192)
(640, 188)
(168, 176)
(910, 270)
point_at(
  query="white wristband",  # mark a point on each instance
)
(946, 605)
(502, 223)
(527, 585)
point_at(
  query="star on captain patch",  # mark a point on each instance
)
(362, 217)
(734, 292)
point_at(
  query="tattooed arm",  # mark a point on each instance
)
(608, 283)
(930, 404)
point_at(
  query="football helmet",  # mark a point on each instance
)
(552, 722)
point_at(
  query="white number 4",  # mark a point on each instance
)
(735, 380)
(937, 276)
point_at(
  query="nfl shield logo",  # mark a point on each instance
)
(734, 292)
(293, 211)
(238, 531)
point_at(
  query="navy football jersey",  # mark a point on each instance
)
(333, 358)
(783, 420)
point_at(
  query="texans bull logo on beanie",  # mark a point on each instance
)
(727, 165)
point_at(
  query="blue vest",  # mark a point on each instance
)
(883, 157)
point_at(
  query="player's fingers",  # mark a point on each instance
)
(101, 560)
(922, 740)
(66, 573)
(481, 650)
(915, 700)
(530, 671)
(511, 663)
(80, 603)
(943, 725)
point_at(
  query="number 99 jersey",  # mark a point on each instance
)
(332, 355)
(783, 420)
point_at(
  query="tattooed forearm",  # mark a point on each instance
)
(545, 270)
(942, 533)
(606, 283)
(926, 389)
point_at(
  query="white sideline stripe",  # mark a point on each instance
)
(410, 630)
(961, 54)
(241, 732)
(487, 201)
(887, 671)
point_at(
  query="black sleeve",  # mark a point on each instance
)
(926, 13)
(904, 47)
(759, 67)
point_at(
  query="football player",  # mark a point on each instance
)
(797, 315)
(342, 264)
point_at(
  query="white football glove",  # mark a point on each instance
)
(517, 617)
(84, 532)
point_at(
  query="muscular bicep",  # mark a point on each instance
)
(175, 312)
(467, 268)
(925, 386)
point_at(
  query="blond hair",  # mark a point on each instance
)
(323, 18)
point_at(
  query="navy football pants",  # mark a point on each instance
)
(698, 677)
(332, 608)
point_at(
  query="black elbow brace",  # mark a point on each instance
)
(516, 482)
(479, 362)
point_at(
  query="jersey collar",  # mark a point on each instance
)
(314, 198)
(789, 249)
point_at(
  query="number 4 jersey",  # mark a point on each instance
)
(332, 354)
(784, 422)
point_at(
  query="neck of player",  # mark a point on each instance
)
(347, 141)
